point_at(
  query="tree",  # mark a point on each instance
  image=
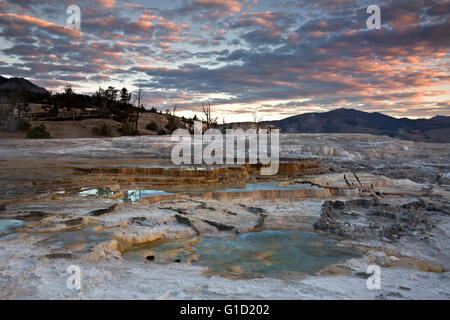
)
(257, 118)
(7, 120)
(53, 104)
(100, 99)
(127, 129)
(125, 96)
(139, 98)
(224, 124)
(152, 126)
(209, 118)
(106, 101)
(19, 99)
(68, 90)
(111, 94)
(38, 133)
(69, 98)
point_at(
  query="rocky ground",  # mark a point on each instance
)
(77, 202)
(74, 129)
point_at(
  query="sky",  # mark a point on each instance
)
(280, 57)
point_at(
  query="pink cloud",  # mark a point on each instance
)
(231, 6)
(52, 27)
(107, 3)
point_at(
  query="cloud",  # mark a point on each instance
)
(17, 21)
(231, 6)
(107, 3)
(289, 56)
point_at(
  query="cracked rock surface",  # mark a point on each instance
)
(85, 202)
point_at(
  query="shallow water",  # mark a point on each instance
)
(78, 241)
(128, 196)
(98, 192)
(266, 253)
(10, 225)
(135, 195)
(272, 186)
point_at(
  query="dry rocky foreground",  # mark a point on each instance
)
(139, 227)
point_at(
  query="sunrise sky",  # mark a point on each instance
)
(288, 57)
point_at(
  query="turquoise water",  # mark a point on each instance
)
(10, 225)
(135, 195)
(272, 186)
(266, 253)
(8, 236)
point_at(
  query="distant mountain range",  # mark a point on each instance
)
(14, 83)
(436, 129)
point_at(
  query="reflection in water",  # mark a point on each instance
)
(129, 196)
(135, 195)
(98, 192)
(78, 241)
(267, 253)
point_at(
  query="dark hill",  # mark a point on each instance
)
(436, 129)
(14, 83)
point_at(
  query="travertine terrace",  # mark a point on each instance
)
(87, 202)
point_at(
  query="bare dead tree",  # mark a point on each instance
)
(357, 179)
(139, 97)
(224, 124)
(207, 111)
(174, 109)
(257, 118)
(20, 101)
(361, 188)
(7, 120)
(348, 183)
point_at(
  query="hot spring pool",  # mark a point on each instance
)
(266, 253)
